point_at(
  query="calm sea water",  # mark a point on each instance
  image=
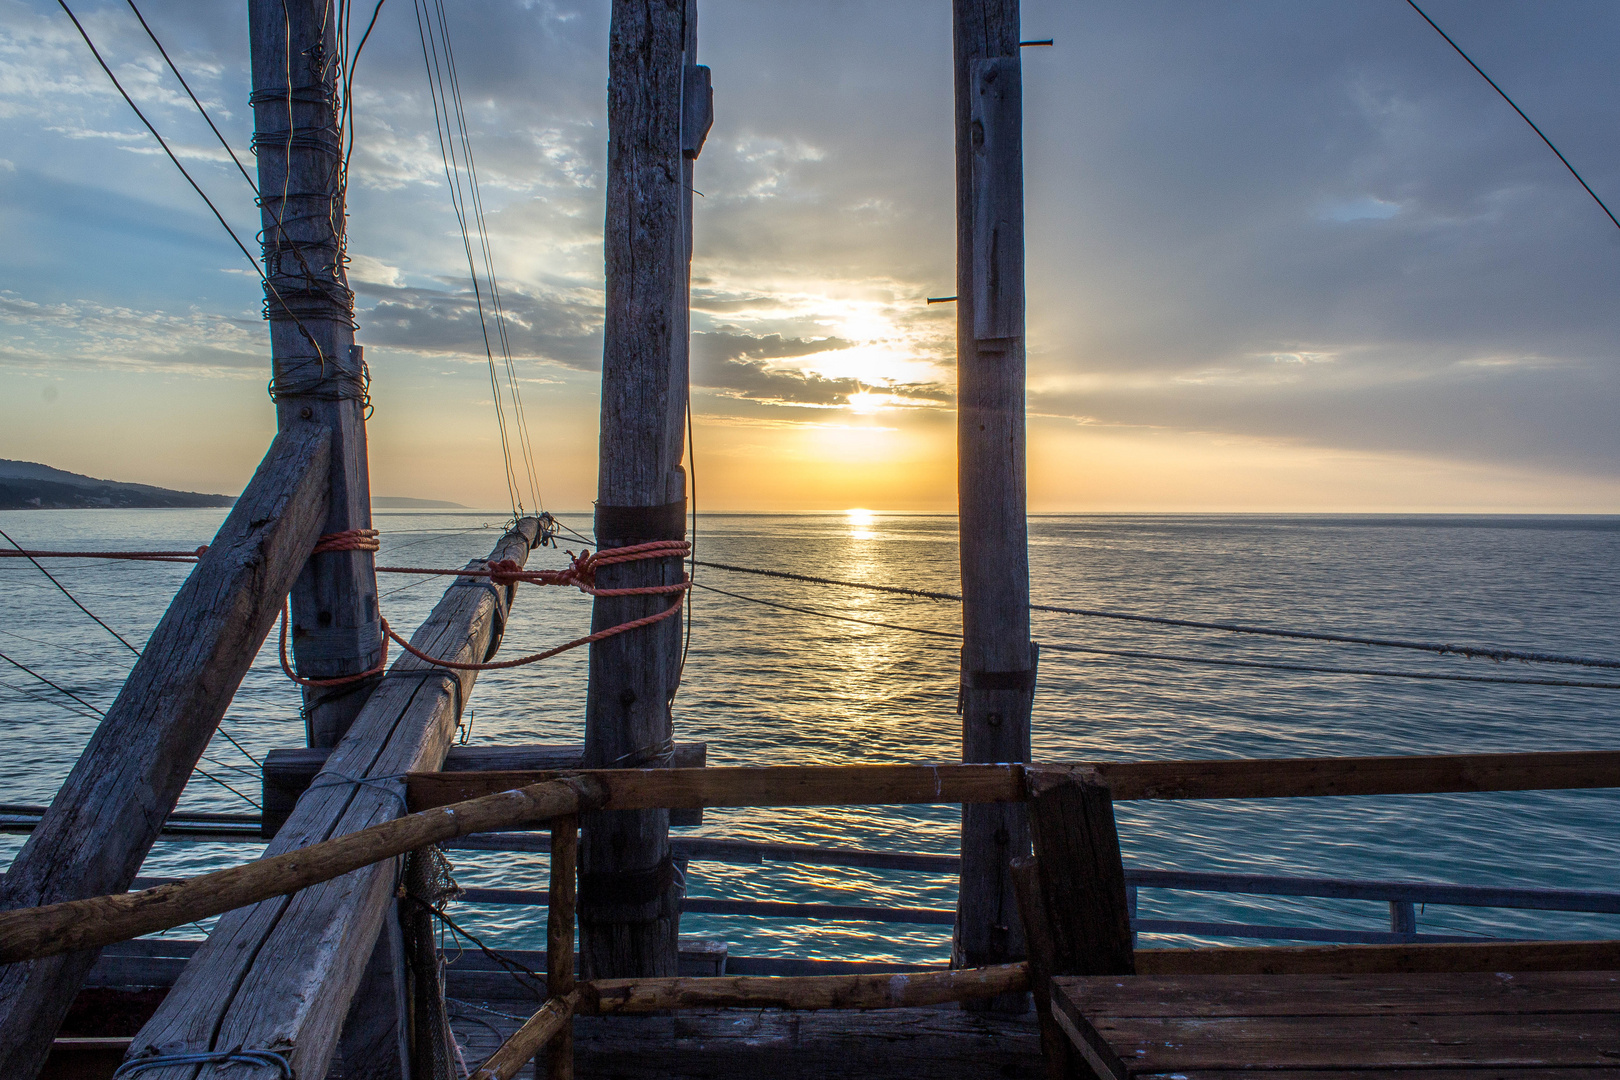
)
(768, 686)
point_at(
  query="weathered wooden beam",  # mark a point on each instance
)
(1383, 959)
(543, 1028)
(560, 923)
(998, 660)
(880, 991)
(92, 922)
(282, 973)
(104, 819)
(628, 889)
(1079, 872)
(288, 772)
(1042, 961)
(319, 377)
(778, 785)
(1315, 777)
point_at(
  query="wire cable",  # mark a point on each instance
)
(1483, 652)
(1518, 110)
(70, 596)
(187, 87)
(1131, 654)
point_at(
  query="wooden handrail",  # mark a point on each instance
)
(858, 785)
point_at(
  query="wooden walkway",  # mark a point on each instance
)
(1527, 1026)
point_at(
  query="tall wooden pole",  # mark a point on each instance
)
(998, 659)
(629, 890)
(318, 371)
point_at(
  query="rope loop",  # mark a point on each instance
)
(237, 1056)
(349, 540)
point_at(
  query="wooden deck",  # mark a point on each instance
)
(1529, 1026)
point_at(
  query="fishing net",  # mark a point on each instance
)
(428, 885)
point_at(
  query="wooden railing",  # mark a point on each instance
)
(1072, 893)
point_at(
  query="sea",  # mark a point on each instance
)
(801, 684)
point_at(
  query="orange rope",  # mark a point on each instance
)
(349, 540)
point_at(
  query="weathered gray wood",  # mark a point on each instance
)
(287, 772)
(918, 1044)
(98, 829)
(1042, 949)
(319, 375)
(998, 661)
(560, 939)
(374, 1043)
(1082, 881)
(628, 887)
(281, 974)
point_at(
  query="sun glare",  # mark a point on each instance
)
(865, 402)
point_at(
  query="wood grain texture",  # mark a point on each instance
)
(1383, 959)
(288, 772)
(881, 991)
(774, 785)
(281, 973)
(633, 677)
(942, 1043)
(991, 449)
(335, 629)
(1312, 777)
(1079, 873)
(1144, 1026)
(536, 1033)
(1037, 923)
(103, 821)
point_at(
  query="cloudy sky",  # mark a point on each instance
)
(1282, 255)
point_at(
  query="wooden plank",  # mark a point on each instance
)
(1081, 877)
(628, 915)
(287, 773)
(1602, 1072)
(1426, 994)
(998, 660)
(780, 785)
(1299, 777)
(318, 372)
(109, 811)
(1147, 1045)
(880, 991)
(282, 972)
(1383, 959)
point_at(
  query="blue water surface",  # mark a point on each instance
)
(771, 686)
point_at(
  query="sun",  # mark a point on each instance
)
(865, 402)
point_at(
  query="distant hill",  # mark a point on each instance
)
(28, 485)
(401, 502)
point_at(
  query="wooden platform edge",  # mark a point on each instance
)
(1598, 955)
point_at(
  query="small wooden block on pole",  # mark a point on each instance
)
(1079, 872)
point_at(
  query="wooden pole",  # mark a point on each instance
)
(998, 660)
(544, 1029)
(319, 376)
(880, 991)
(1055, 1048)
(560, 938)
(629, 891)
(109, 811)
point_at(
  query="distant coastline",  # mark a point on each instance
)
(28, 485)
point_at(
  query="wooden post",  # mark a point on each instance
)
(318, 371)
(560, 938)
(629, 890)
(1082, 879)
(104, 819)
(998, 660)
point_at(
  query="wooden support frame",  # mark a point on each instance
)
(282, 973)
(107, 814)
(560, 924)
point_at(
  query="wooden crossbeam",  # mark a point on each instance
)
(858, 785)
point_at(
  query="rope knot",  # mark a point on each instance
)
(505, 572)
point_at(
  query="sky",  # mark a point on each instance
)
(1282, 256)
